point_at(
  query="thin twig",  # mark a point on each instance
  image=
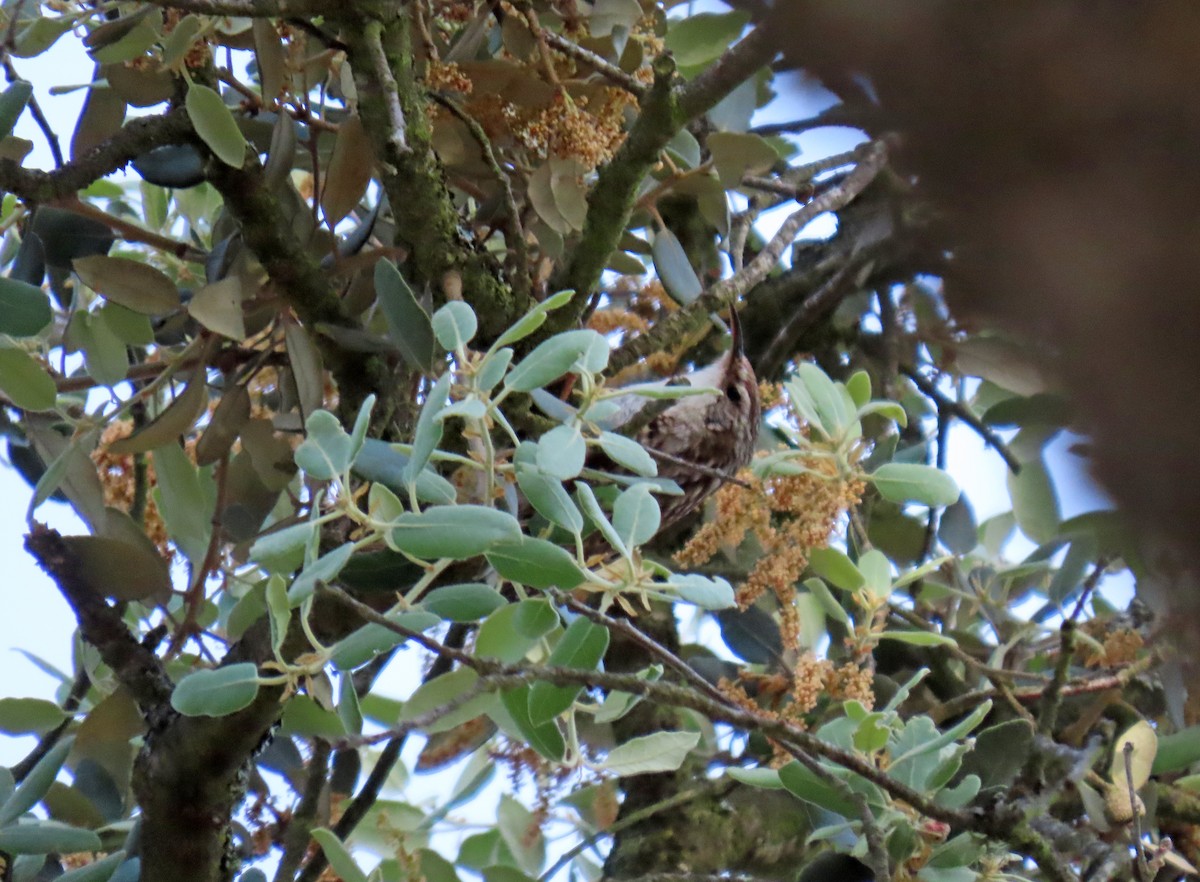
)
(299, 828)
(578, 53)
(958, 409)
(74, 698)
(795, 739)
(131, 232)
(636, 635)
(682, 798)
(35, 110)
(193, 598)
(391, 90)
(1089, 585)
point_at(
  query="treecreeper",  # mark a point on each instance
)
(701, 440)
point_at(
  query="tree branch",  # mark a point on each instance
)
(136, 137)
(300, 280)
(726, 292)
(442, 255)
(665, 109)
(135, 667)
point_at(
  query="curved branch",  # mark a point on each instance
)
(134, 138)
(135, 667)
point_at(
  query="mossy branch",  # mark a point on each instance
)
(665, 109)
(390, 98)
(300, 280)
(134, 138)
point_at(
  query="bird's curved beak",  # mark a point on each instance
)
(735, 326)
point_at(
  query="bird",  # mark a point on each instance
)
(699, 441)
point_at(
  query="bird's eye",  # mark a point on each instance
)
(734, 394)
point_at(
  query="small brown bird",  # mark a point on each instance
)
(700, 440)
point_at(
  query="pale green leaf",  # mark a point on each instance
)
(215, 125)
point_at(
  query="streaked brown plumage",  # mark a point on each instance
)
(702, 439)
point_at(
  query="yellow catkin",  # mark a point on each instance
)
(789, 515)
(117, 477)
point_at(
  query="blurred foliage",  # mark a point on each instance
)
(311, 380)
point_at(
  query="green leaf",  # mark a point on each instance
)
(327, 453)
(348, 709)
(176, 419)
(24, 309)
(186, 508)
(532, 320)
(554, 357)
(674, 269)
(224, 426)
(282, 551)
(131, 283)
(701, 38)
(455, 325)
(361, 646)
(12, 104)
(126, 568)
(737, 154)
(545, 738)
(408, 324)
(511, 631)
(1177, 751)
(591, 507)
(829, 605)
(131, 328)
(582, 646)
(104, 351)
(215, 125)
(660, 752)
(549, 498)
(802, 783)
(304, 717)
(349, 170)
(386, 466)
(763, 779)
(37, 782)
(823, 400)
(628, 453)
(217, 692)
(323, 569)
(1143, 743)
(919, 638)
(561, 452)
(453, 531)
(219, 308)
(25, 382)
(442, 690)
(22, 716)
(608, 15)
(704, 592)
(1035, 501)
(910, 482)
(276, 597)
(463, 603)
(338, 855)
(636, 516)
(536, 563)
(521, 832)
(859, 387)
(44, 837)
(835, 568)
(429, 427)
